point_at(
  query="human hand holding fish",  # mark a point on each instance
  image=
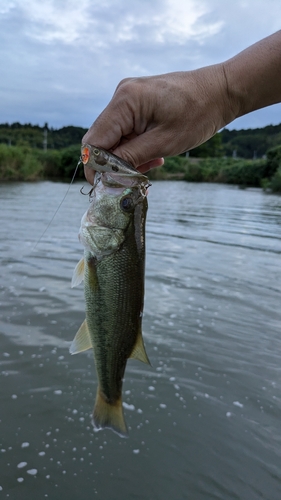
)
(148, 118)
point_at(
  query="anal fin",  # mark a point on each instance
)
(82, 340)
(139, 351)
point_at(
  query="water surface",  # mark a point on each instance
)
(205, 419)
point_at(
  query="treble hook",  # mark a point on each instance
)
(89, 193)
(92, 188)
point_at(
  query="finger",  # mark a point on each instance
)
(115, 122)
(158, 162)
(103, 134)
(89, 174)
(145, 148)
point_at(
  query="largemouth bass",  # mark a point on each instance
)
(113, 234)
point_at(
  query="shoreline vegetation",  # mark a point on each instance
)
(33, 153)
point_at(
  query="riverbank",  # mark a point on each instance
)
(31, 164)
(245, 173)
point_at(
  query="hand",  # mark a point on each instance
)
(157, 116)
(165, 115)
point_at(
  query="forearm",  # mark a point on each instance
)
(254, 76)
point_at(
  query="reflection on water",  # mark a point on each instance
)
(205, 419)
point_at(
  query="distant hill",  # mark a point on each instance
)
(34, 136)
(249, 143)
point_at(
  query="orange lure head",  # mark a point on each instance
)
(85, 154)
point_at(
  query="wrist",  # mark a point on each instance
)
(253, 76)
(234, 93)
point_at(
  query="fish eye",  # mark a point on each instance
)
(96, 151)
(127, 203)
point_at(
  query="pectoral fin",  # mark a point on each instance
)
(78, 274)
(82, 340)
(138, 351)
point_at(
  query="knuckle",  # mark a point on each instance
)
(128, 87)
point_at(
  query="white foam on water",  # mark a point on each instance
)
(25, 445)
(20, 479)
(58, 392)
(129, 407)
(136, 451)
(21, 465)
(236, 403)
(32, 472)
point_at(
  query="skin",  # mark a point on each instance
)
(165, 115)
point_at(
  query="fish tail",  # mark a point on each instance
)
(109, 416)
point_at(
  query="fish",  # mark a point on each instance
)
(113, 235)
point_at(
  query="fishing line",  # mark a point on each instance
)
(67, 191)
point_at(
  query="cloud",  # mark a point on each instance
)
(90, 22)
(55, 21)
(62, 59)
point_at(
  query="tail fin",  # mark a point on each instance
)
(109, 416)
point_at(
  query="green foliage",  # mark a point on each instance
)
(247, 146)
(50, 161)
(228, 171)
(23, 163)
(157, 174)
(211, 148)
(174, 168)
(22, 156)
(250, 143)
(273, 160)
(175, 164)
(18, 163)
(33, 135)
(275, 183)
(69, 158)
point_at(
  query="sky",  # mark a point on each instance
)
(61, 60)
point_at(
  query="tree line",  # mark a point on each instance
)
(245, 143)
(249, 157)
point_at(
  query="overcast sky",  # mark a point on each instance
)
(62, 59)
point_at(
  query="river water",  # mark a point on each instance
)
(205, 419)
